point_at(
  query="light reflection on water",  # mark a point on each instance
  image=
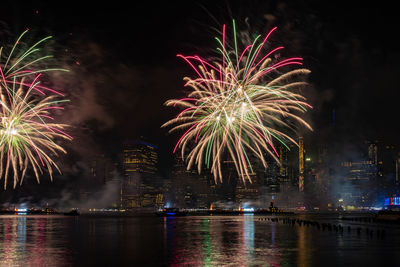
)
(191, 241)
(220, 241)
(24, 240)
(253, 241)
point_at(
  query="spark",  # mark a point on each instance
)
(27, 138)
(239, 105)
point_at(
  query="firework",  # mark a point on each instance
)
(27, 128)
(239, 106)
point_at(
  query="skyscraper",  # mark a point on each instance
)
(140, 157)
(301, 164)
(189, 188)
(140, 186)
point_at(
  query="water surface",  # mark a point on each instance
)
(53, 240)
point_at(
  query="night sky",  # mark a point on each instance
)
(124, 67)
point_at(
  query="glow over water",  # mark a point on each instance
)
(54, 240)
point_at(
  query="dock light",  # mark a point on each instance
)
(248, 209)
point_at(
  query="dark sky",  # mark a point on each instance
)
(128, 66)
(349, 47)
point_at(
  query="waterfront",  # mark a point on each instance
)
(55, 240)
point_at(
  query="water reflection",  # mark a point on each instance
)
(302, 248)
(248, 240)
(29, 240)
(219, 241)
(186, 241)
(207, 246)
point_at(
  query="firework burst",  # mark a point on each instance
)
(240, 105)
(27, 128)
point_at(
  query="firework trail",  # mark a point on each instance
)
(239, 105)
(27, 128)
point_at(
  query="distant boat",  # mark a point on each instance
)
(72, 213)
(171, 212)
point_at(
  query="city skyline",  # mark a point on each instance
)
(200, 132)
(131, 60)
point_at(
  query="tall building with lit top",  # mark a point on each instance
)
(141, 187)
(301, 164)
(140, 157)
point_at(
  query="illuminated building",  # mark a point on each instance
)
(386, 158)
(287, 182)
(247, 192)
(283, 171)
(397, 170)
(388, 170)
(289, 165)
(263, 181)
(392, 203)
(140, 157)
(269, 181)
(373, 153)
(301, 164)
(189, 189)
(359, 183)
(141, 187)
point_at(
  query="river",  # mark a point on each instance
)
(248, 240)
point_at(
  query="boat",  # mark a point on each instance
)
(171, 212)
